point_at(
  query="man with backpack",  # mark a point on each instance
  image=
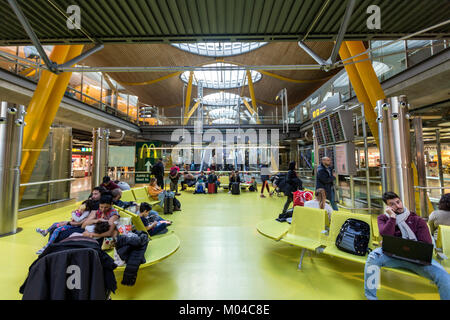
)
(174, 176)
(201, 182)
(398, 221)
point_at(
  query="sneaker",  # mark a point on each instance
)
(117, 259)
(40, 251)
(176, 209)
(229, 191)
(262, 196)
(178, 194)
(42, 232)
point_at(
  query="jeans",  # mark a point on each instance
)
(288, 202)
(333, 201)
(377, 259)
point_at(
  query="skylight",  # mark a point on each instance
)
(219, 49)
(221, 79)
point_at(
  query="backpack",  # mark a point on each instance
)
(200, 188)
(300, 197)
(354, 237)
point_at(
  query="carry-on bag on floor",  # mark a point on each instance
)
(168, 202)
(212, 188)
(235, 188)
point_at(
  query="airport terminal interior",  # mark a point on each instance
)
(223, 116)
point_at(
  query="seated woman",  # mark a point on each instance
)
(440, 216)
(320, 202)
(78, 216)
(151, 220)
(156, 193)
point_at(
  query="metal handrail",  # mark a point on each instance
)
(45, 182)
(418, 187)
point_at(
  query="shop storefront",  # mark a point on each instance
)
(81, 162)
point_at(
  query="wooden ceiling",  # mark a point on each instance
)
(169, 93)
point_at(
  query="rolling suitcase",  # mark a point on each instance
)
(212, 188)
(235, 188)
(168, 202)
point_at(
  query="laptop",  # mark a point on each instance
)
(408, 250)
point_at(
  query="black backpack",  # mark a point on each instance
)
(354, 237)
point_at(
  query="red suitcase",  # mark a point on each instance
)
(212, 188)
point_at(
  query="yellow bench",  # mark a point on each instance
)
(141, 195)
(273, 229)
(306, 230)
(127, 196)
(158, 248)
(443, 246)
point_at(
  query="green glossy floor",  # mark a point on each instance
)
(221, 256)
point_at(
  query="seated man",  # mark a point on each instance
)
(201, 180)
(188, 180)
(117, 194)
(151, 220)
(212, 178)
(253, 185)
(398, 221)
(95, 196)
(108, 184)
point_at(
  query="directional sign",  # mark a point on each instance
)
(146, 156)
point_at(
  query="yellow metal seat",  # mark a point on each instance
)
(307, 227)
(337, 220)
(273, 229)
(224, 181)
(158, 248)
(306, 230)
(127, 195)
(443, 245)
(141, 195)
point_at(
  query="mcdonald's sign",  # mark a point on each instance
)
(146, 156)
(149, 149)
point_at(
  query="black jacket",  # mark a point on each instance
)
(292, 183)
(158, 169)
(53, 275)
(324, 180)
(132, 251)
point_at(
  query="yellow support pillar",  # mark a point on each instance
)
(187, 102)
(191, 112)
(252, 95)
(368, 90)
(42, 109)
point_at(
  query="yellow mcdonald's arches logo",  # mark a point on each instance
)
(150, 148)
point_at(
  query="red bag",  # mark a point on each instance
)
(300, 197)
(212, 188)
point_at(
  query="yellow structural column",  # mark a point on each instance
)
(191, 112)
(252, 94)
(187, 102)
(368, 90)
(360, 91)
(42, 110)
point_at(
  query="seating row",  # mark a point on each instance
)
(308, 231)
(138, 195)
(159, 247)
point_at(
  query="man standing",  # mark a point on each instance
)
(325, 180)
(158, 171)
(398, 221)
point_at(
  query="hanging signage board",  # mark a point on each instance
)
(146, 156)
(325, 107)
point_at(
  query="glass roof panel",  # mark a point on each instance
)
(219, 49)
(221, 79)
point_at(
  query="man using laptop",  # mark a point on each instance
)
(398, 221)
